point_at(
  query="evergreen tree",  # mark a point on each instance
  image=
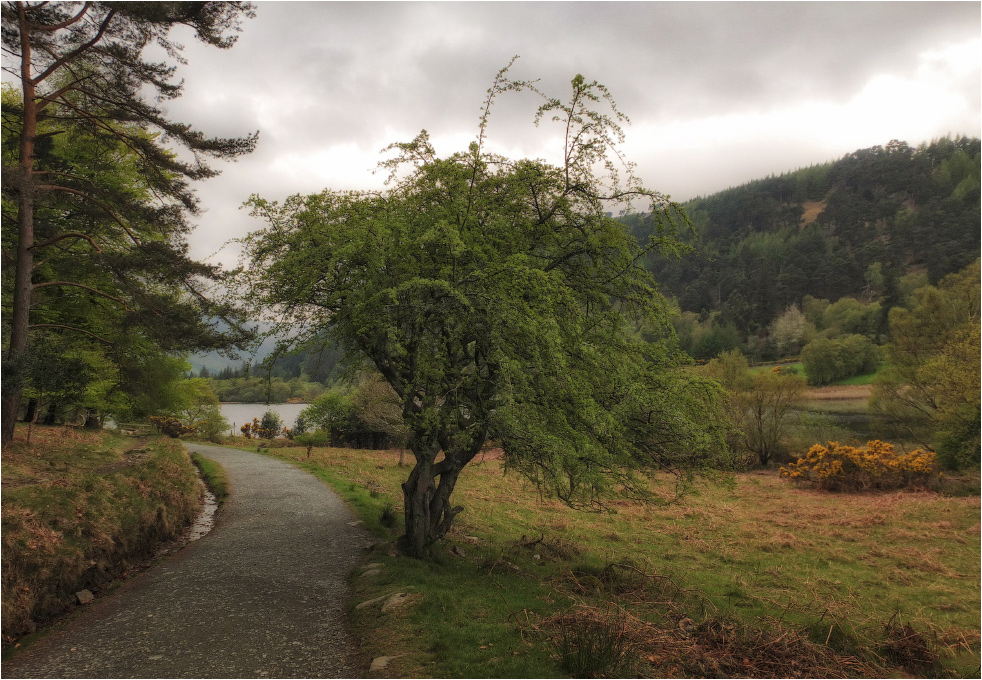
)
(82, 78)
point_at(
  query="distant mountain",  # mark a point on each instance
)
(852, 228)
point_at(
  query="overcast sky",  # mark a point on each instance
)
(718, 93)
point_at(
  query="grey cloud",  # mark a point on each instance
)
(311, 75)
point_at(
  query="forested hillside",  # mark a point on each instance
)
(872, 226)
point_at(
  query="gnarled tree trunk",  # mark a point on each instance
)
(429, 513)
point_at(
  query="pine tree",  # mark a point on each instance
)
(82, 76)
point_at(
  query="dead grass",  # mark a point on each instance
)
(81, 508)
(812, 210)
(777, 581)
(839, 392)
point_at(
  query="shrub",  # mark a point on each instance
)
(270, 426)
(388, 517)
(170, 426)
(594, 644)
(847, 468)
(826, 361)
(212, 425)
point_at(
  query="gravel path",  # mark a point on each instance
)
(262, 595)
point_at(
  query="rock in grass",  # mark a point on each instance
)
(369, 603)
(380, 662)
(395, 601)
(84, 596)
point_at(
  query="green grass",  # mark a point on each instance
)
(763, 560)
(214, 476)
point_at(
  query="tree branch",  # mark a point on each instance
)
(106, 208)
(84, 287)
(63, 24)
(81, 49)
(62, 237)
(72, 328)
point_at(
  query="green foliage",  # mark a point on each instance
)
(827, 361)
(761, 404)
(856, 228)
(731, 370)
(270, 426)
(96, 212)
(198, 408)
(211, 424)
(929, 388)
(849, 316)
(496, 298)
(258, 389)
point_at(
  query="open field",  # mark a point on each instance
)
(756, 578)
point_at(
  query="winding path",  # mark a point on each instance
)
(262, 595)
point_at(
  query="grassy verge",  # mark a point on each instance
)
(758, 580)
(81, 509)
(214, 476)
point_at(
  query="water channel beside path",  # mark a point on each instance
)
(261, 595)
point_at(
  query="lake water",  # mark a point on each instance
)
(239, 414)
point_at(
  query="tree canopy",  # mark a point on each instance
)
(499, 301)
(930, 385)
(852, 228)
(100, 199)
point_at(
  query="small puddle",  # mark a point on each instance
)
(206, 518)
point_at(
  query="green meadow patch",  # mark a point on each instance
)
(81, 509)
(759, 579)
(213, 475)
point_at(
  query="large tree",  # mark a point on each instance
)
(84, 84)
(929, 387)
(499, 300)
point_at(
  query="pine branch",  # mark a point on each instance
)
(72, 328)
(74, 54)
(88, 197)
(73, 284)
(62, 237)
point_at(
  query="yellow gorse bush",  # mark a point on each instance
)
(848, 468)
